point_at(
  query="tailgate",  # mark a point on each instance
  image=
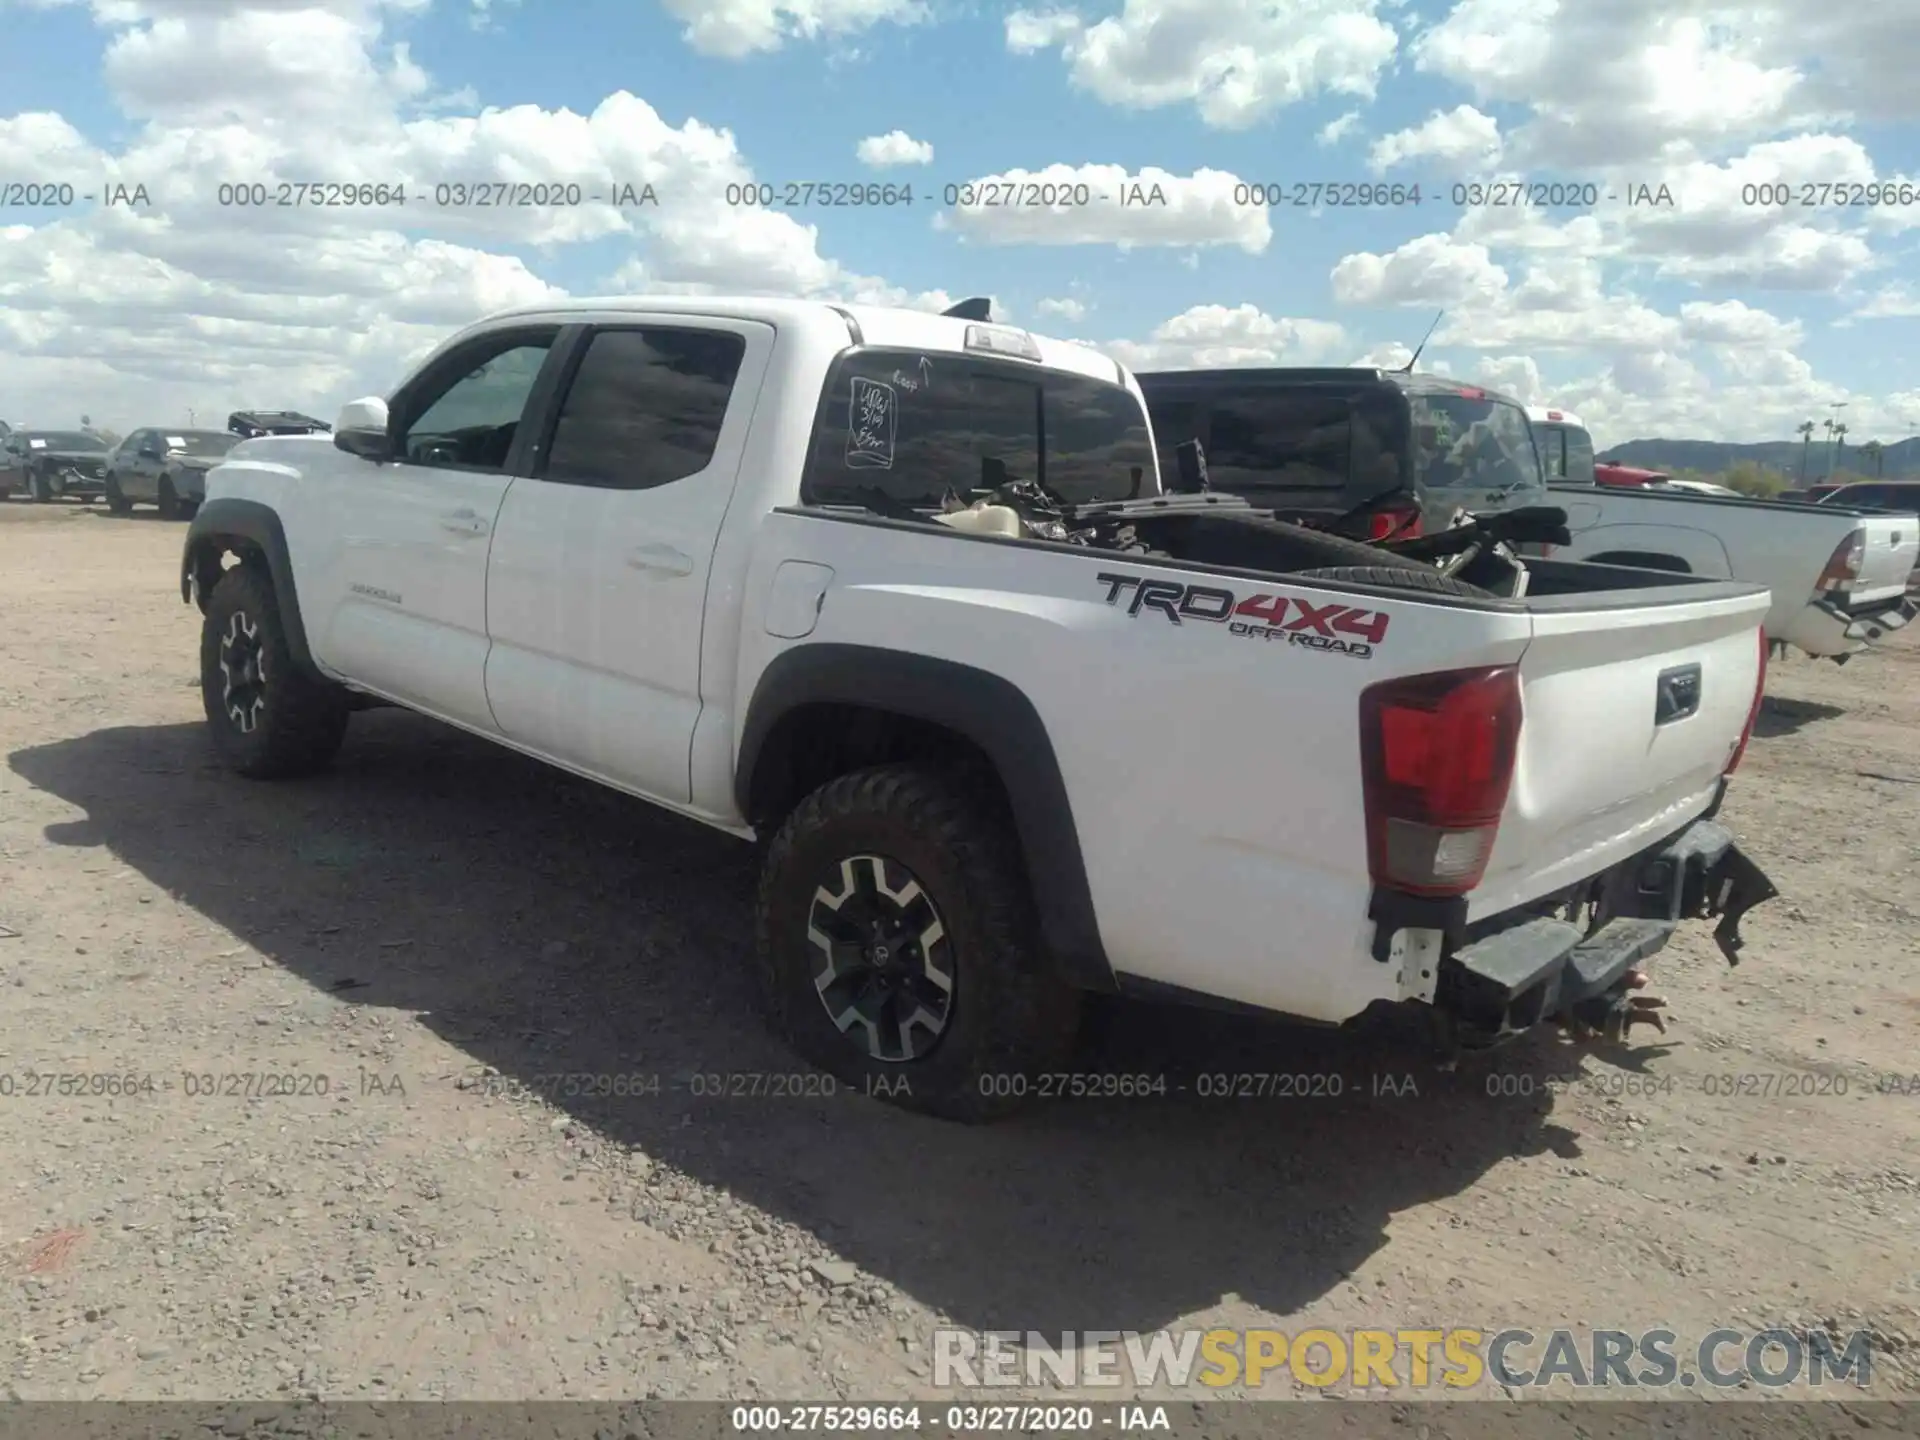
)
(1892, 545)
(1631, 715)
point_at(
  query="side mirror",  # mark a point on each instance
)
(362, 429)
(1191, 459)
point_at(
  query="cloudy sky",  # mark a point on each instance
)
(1761, 286)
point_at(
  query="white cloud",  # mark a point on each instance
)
(1431, 270)
(1066, 308)
(1235, 61)
(734, 29)
(1029, 30)
(1337, 129)
(195, 304)
(896, 147)
(1459, 138)
(1734, 323)
(1110, 205)
(1210, 337)
(1896, 301)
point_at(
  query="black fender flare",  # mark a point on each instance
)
(992, 713)
(214, 529)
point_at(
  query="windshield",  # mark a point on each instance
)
(1473, 442)
(199, 442)
(64, 440)
(897, 427)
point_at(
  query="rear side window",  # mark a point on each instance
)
(1551, 441)
(645, 407)
(1579, 457)
(902, 428)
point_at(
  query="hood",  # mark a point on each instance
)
(196, 462)
(1605, 472)
(79, 458)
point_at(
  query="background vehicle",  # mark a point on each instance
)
(166, 466)
(249, 423)
(50, 464)
(1626, 477)
(719, 554)
(1566, 449)
(1899, 496)
(1838, 577)
(1369, 453)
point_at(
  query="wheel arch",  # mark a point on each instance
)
(252, 532)
(811, 693)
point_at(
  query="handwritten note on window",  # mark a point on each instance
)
(872, 415)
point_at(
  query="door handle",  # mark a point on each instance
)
(464, 522)
(661, 559)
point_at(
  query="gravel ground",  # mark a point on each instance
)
(428, 933)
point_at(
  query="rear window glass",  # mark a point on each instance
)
(1305, 444)
(1473, 441)
(909, 429)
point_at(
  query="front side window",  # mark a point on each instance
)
(645, 407)
(467, 418)
(906, 429)
(198, 442)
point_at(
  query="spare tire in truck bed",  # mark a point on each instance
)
(1393, 577)
(1258, 542)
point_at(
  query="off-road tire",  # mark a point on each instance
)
(167, 500)
(40, 487)
(1394, 578)
(1011, 1018)
(117, 502)
(300, 721)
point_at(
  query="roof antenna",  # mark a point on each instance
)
(980, 307)
(1407, 369)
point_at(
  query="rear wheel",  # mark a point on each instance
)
(116, 501)
(898, 945)
(269, 719)
(167, 500)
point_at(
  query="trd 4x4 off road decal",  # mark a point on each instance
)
(1318, 625)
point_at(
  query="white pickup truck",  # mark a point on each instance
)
(1838, 577)
(902, 596)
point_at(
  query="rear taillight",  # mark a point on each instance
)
(1843, 566)
(1753, 710)
(1437, 756)
(1394, 525)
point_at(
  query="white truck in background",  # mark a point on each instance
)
(904, 596)
(1838, 577)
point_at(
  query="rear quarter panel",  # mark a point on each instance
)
(1214, 777)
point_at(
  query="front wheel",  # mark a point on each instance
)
(898, 946)
(116, 501)
(167, 501)
(41, 487)
(269, 719)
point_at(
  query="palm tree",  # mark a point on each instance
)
(1805, 431)
(1827, 425)
(1840, 448)
(1876, 452)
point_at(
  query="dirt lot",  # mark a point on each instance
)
(436, 919)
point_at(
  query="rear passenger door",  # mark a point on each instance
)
(597, 581)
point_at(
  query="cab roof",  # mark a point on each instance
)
(889, 327)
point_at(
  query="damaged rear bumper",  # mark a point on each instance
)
(1829, 628)
(1513, 973)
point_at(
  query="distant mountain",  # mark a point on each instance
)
(1784, 456)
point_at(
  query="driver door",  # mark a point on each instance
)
(403, 579)
(137, 466)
